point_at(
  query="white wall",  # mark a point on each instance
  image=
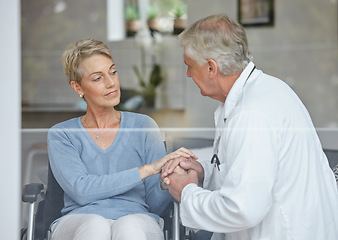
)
(10, 119)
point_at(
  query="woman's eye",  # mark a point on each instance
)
(97, 79)
(113, 73)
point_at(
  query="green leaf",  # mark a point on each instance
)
(155, 76)
(139, 76)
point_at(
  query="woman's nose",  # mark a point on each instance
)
(110, 81)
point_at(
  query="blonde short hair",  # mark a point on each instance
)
(76, 52)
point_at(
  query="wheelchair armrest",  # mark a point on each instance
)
(31, 191)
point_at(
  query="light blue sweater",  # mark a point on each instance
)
(107, 182)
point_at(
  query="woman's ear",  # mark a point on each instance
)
(77, 88)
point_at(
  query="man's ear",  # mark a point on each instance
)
(76, 87)
(212, 67)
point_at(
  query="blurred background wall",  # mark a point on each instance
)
(300, 48)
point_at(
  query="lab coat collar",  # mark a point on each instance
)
(226, 108)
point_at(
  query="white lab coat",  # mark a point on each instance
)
(274, 180)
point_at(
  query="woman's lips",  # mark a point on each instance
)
(112, 93)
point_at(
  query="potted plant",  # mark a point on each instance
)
(152, 18)
(149, 88)
(148, 81)
(180, 20)
(132, 21)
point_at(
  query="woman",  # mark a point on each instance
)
(107, 162)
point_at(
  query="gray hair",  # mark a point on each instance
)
(219, 38)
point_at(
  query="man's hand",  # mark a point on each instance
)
(185, 163)
(178, 181)
(177, 170)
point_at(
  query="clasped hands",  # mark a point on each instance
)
(180, 170)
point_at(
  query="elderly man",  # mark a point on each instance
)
(269, 177)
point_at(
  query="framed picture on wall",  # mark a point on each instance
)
(256, 12)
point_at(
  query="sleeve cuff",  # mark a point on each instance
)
(189, 188)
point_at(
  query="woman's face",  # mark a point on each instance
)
(100, 84)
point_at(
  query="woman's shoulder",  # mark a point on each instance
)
(139, 119)
(70, 123)
(65, 129)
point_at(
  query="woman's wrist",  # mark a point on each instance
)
(145, 171)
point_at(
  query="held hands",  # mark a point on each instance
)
(165, 181)
(181, 153)
(184, 163)
(156, 167)
(177, 182)
(179, 172)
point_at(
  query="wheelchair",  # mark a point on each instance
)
(45, 203)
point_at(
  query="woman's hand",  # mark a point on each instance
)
(156, 167)
(181, 153)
